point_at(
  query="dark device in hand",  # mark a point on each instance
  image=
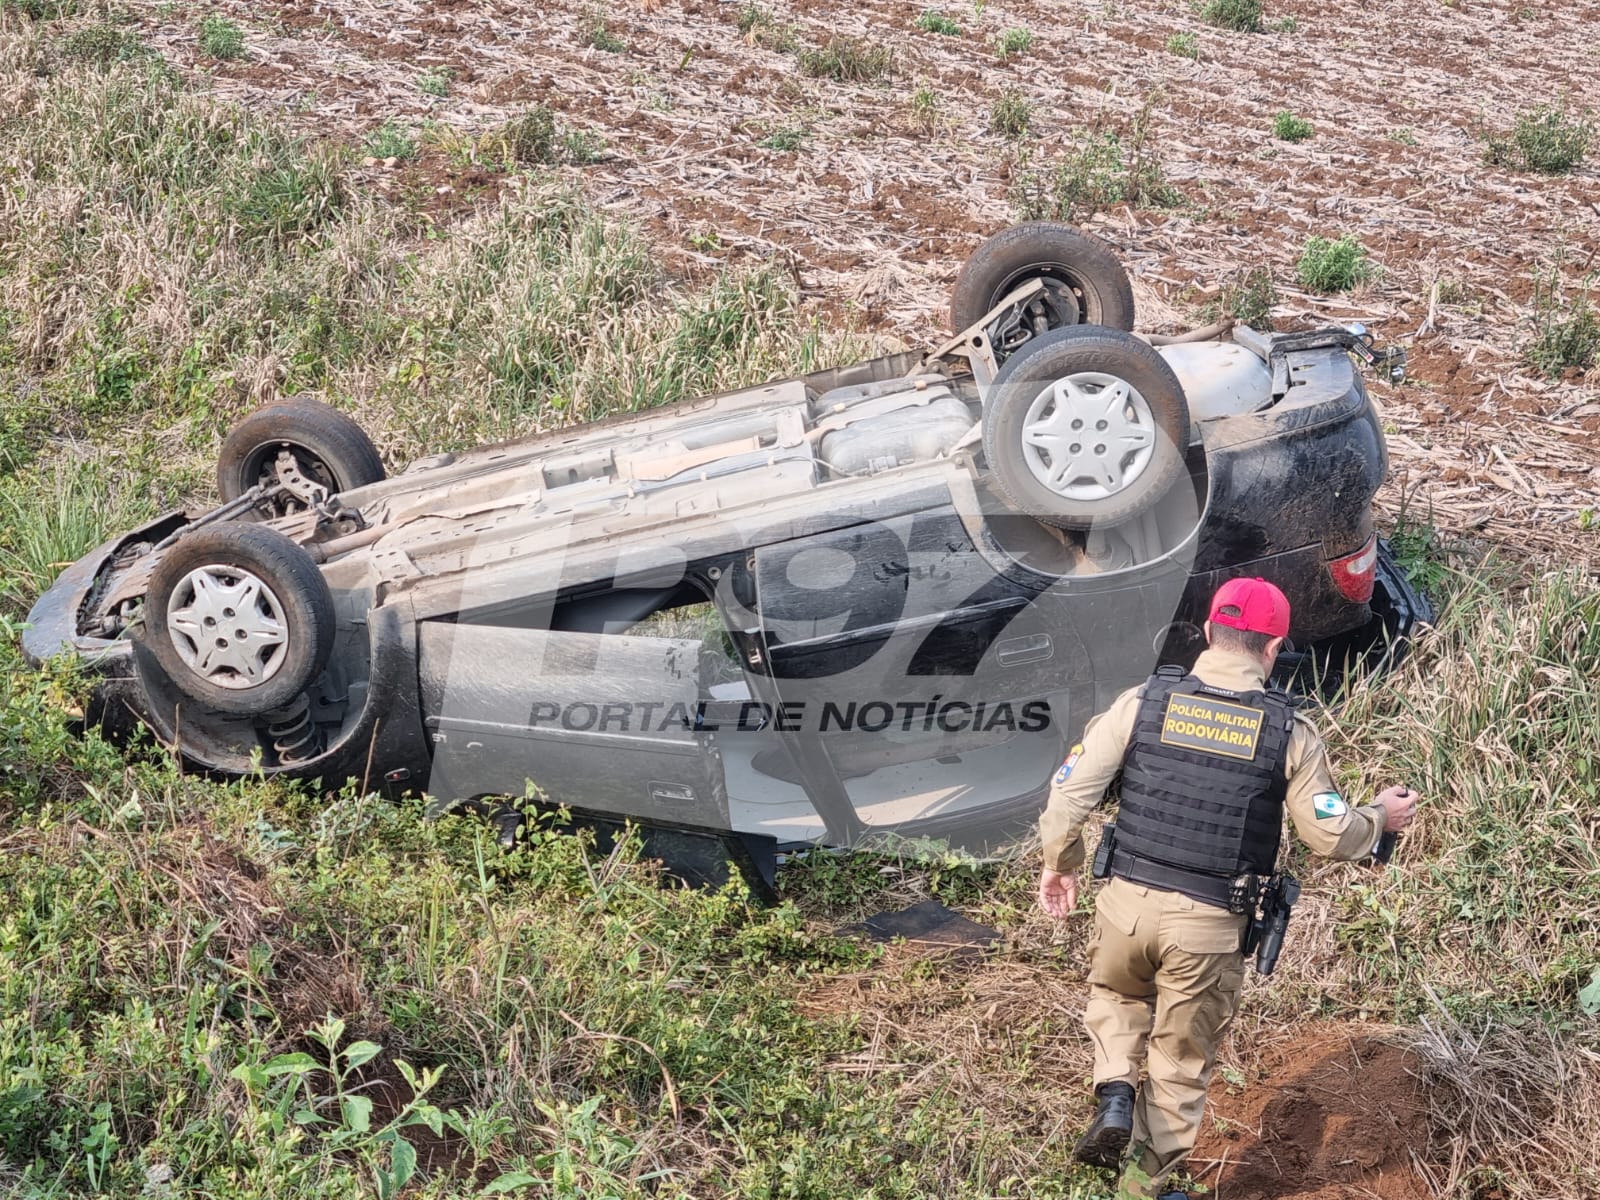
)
(1387, 841)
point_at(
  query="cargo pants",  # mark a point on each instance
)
(1165, 972)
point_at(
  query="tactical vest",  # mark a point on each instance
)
(1203, 786)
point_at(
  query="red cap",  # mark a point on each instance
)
(1253, 605)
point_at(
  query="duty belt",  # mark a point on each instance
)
(1208, 889)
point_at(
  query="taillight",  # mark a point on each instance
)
(1356, 574)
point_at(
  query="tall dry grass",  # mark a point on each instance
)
(163, 253)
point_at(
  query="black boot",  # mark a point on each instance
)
(1107, 1136)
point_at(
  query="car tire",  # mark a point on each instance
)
(1054, 380)
(1088, 286)
(329, 448)
(239, 578)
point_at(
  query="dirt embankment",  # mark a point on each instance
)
(1338, 1115)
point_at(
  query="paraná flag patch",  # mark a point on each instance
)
(1328, 805)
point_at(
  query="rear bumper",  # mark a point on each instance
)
(1292, 490)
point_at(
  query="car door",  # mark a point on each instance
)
(602, 722)
(943, 681)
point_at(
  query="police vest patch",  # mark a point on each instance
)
(1215, 726)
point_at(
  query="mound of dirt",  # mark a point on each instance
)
(1338, 1116)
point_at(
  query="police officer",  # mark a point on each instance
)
(1209, 762)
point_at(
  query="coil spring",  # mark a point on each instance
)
(294, 734)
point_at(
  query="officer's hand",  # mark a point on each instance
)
(1400, 805)
(1058, 893)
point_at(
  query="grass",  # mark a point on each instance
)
(1184, 45)
(847, 60)
(435, 81)
(41, 10)
(1248, 299)
(247, 990)
(1287, 127)
(259, 271)
(1547, 140)
(1333, 265)
(924, 108)
(224, 959)
(221, 38)
(1010, 115)
(785, 140)
(601, 38)
(1565, 332)
(1099, 169)
(1288, 24)
(101, 45)
(758, 27)
(1241, 16)
(1013, 43)
(390, 140)
(530, 137)
(932, 21)
(534, 138)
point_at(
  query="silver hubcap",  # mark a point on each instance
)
(1088, 436)
(228, 626)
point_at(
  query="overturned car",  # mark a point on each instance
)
(881, 599)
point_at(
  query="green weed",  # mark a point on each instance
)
(530, 137)
(42, 10)
(391, 140)
(1242, 16)
(1565, 330)
(221, 38)
(786, 140)
(925, 108)
(1289, 128)
(1248, 300)
(1288, 24)
(931, 21)
(1548, 140)
(102, 45)
(1013, 43)
(1184, 45)
(288, 195)
(582, 147)
(1010, 115)
(1403, 134)
(1333, 266)
(758, 26)
(847, 60)
(435, 81)
(601, 38)
(1100, 168)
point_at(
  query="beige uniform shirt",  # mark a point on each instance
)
(1320, 815)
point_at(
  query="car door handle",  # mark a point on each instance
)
(1014, 652)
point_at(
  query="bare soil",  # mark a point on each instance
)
(1337, 1114)
(875, 213)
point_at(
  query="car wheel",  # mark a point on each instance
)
(239, 618)
(325, 449)
(1085, 427)
(1084, 282)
